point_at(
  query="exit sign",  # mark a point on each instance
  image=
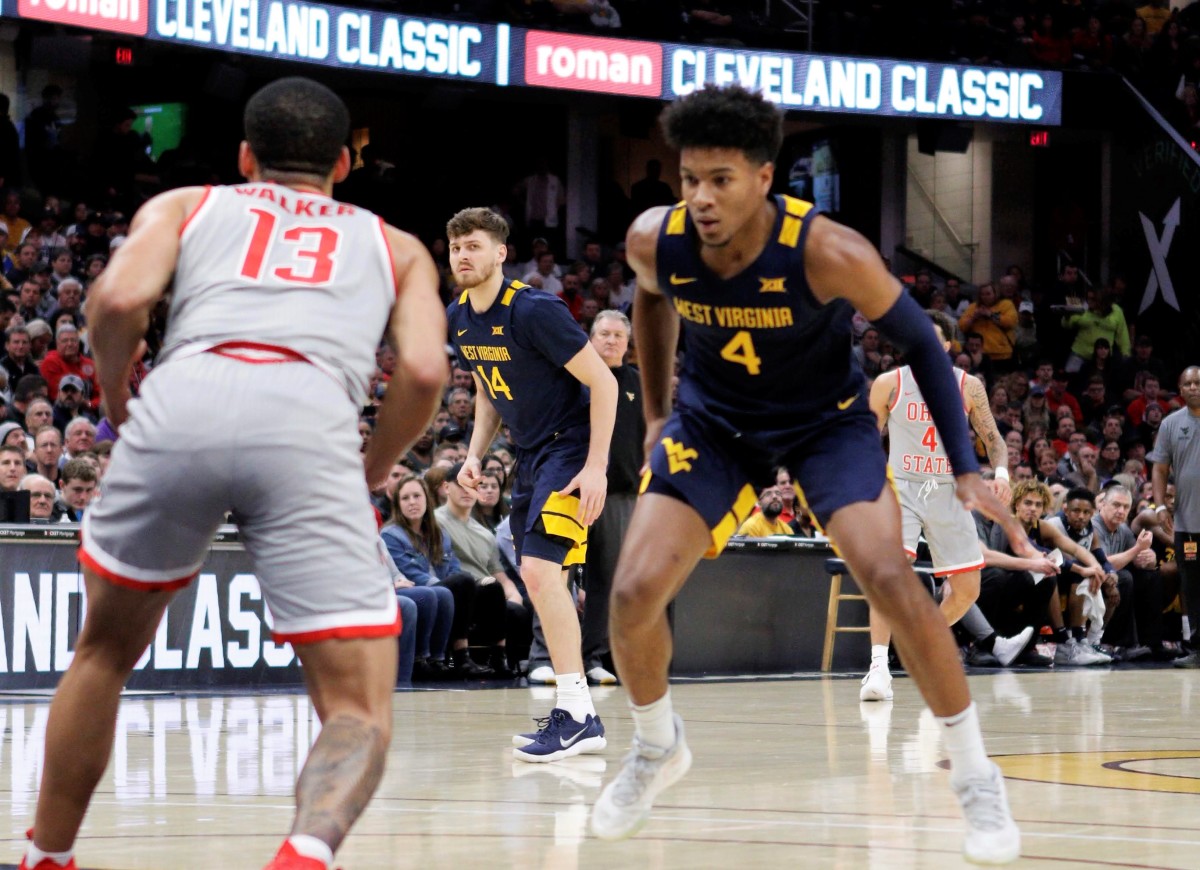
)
(1039, 139)
(123, 55)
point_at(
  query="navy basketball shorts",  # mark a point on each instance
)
(835, 464)
(544, 519)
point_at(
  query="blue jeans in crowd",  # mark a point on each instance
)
(408, 640)
(435, 614)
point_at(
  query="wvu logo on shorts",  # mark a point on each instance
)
(772, 285)
(497, 330)
(678, 457)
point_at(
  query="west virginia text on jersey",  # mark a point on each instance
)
(524, 339)
(762, 355)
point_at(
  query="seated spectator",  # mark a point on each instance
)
(1017, 592)
(1150, 395)
(13, 434)
(40, 336)
(29, 301)
(1147, 430)
(1102, 364)
(1064, 428)
(47, 451)
(1136, 628)
(70, 403)
(77, 488)
(1094, 402)
(17, 361)
(501, 611)
(546, 271)
(1084, 473)
(1036, 410)
(432, 579)
(62, 267)
(979, 363)
(1108, 461)
(998, 400)
(1074, 519)
(572, 293)
(80, 437)
(1047, 469)
(69, 302)
(43, 506)
(66, 359)
(1058, 396)
(1142, 360)
(767, 521)
(12, 467)
(25, 260)
(490, 507)
(870, 355)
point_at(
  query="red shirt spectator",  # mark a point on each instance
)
(1056, 395)
(572, 294)
(67, 360)
(1149, 396)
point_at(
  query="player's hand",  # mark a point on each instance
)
(1001, 490)
(1144, 541)
(1040, 563)
(1166, 522)
(1146, 560)
(592, 484)
(653, 435)
(471, 473)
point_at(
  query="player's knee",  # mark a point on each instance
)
(112, 653)
(888, 580)
(636, 593)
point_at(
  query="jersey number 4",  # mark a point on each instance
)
(313, 249)
(930, 439)
(740, 350)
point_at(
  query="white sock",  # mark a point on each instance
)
(572, 695)
(879, 655)
(311, 847)
(654, 723)
(964, 745)
(34, 856)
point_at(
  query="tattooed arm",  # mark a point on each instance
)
(979, 412)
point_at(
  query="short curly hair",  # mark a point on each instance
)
(468, 220)
(728, 117)
(1031, 487)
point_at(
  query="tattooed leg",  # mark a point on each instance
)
(351, 684)
(342, 772)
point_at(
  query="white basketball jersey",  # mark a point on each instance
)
(263, 266)
(915, 450)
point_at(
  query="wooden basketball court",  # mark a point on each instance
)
(1103, 770)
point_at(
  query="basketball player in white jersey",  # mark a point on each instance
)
(279, 298)
(928, 504)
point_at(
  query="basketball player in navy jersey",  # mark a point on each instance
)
(531, 362)
(765, 289)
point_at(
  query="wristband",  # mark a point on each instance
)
(1160, 509)
(1002, 474)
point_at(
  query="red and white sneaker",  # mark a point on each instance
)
(287, 858)
(45, 863)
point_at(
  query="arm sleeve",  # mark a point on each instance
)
(412, 564)
(910, 330)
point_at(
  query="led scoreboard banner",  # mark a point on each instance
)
(502, 55)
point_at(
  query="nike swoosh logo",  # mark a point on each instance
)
(908, 392)
(676, 280)
(462, 332)
(842, 406)
(571, 742)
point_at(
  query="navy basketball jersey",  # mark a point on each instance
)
(762, 355)
(518, 348)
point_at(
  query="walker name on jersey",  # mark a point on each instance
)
(915, 463)
(486, 352)
(297, 205)
(355, 38)
(47, 608)
(116, 16)
(735, 316)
